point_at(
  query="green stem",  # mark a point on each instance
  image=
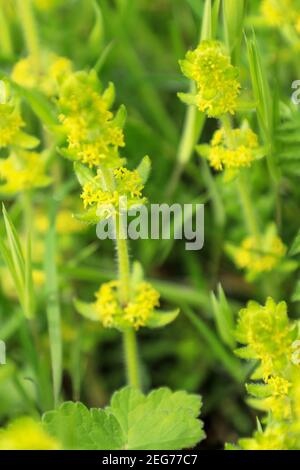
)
(5, 37)
(123, 261)
(131, 358)
(192, 128)
(248, 209)
(129, 336)
(30, 31)
(242, 183)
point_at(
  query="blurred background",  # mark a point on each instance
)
(137, 45)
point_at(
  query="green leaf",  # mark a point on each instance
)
(89, 216)
(120, 117)
(39, 105)
(144, 169)
(29, 297)
(295, 248)
(187, 98)
(229, 446)
(296, 293)
(137, 274)
(109, 94)
(159, 319)
(53, 306)
(87, 310)
(95, 40)
(259, 390)
(162, 420)
(224, 317)
(26, 141)
(84, 174)
(234, 14)
(78, 428)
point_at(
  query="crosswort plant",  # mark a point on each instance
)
(110, 343)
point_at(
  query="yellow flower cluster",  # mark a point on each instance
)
(269, 336)
(258, 255)
(233, 153)
(26, 434)
(10, 124)
(93, 134)
(282, 12)
(52, 71)
(217, 85)
(22, 171)
(135, 314)
(127, 189)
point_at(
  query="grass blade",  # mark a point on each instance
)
(53, 307)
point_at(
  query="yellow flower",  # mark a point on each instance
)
(139, 309)
(280, 13)
(279, 385)
(53, 69)
(273, 13)
(258, 255)
(38, 277)
(26, 434)
(22, 171)
(135, 314)
(217, 85)
(93, 135)
(233, 153)
(268, 336)
(10, 124)
(128, 190)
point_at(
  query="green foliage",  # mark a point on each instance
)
(161, 420)
(19, 264)
(272, 339)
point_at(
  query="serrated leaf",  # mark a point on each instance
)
(160, 319)
(162, 420)
(78, 428)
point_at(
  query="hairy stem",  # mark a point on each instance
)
(129, 336)
(243, 187)
(131, 358)
(123, 261)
